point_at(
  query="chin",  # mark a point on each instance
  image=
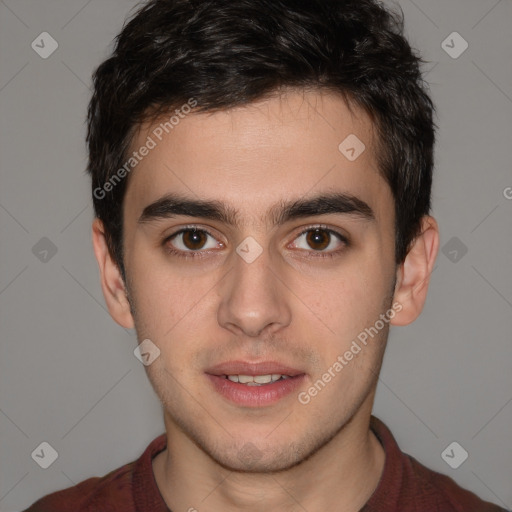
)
(249, 459)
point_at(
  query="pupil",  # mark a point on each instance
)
(318, 236)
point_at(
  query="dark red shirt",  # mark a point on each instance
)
(405, 486)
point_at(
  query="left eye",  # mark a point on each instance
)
(319, 239)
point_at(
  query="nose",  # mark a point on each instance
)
(253, 301)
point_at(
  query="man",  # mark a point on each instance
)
(261, 175)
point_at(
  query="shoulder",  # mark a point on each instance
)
(432, 488)
(117, 491)
(408, 486)
(111, 492)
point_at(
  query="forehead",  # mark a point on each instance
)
(258, 155)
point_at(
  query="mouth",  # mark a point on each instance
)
(254, 384)
(257, 380)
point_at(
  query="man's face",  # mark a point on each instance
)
(215, 306)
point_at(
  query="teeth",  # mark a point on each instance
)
(256, 380)
(263, 379)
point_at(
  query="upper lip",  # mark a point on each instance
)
(246, 368)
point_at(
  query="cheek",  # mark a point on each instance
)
(350, 305)
(175, 311)
(350, 299)
(164, 304)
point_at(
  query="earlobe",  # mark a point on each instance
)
(414, 273)
(112, 283)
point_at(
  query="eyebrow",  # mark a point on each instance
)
(173, 205)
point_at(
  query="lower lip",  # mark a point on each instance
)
(255, 396)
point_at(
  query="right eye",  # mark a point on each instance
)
(190, 240)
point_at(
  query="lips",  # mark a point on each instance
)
(254, 384)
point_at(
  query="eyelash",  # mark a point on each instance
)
(201, 253)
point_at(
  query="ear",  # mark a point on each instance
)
(413, 275)
(112, 283)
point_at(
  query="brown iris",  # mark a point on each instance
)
(318, 239)
(194, 239)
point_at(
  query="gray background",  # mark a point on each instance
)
(68, 375)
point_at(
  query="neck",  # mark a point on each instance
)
(342, 475)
